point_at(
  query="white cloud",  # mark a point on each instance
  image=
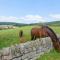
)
(32, 19)
(55, 17)
(8, 19)
(24, 19)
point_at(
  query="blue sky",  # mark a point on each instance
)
(29, 11)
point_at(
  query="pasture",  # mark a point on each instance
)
(11, 36)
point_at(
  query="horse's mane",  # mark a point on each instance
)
(49, 29)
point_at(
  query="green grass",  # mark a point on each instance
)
(53, 55)
(56, 29)
(11, 36)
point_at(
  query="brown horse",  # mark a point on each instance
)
(46, 31)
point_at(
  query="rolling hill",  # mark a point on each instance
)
(12, 23)
(54, 23)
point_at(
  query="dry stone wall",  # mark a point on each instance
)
(27, 51)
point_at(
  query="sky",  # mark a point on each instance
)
(29, 11)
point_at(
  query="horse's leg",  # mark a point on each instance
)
(32, 37)
(35, 38)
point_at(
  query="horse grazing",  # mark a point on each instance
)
(46, 31)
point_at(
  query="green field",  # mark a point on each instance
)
(11, 36)
(53, 55)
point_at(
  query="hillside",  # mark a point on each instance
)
(54, 23)
(12, 23)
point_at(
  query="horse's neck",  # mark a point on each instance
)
(52, 35)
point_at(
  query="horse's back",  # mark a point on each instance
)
(38, 32)
(35, 31)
